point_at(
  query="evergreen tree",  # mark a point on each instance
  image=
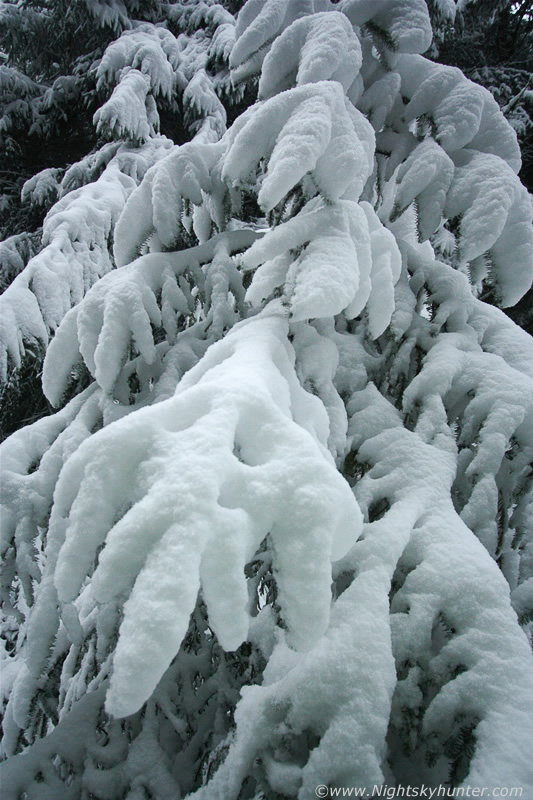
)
(276, 533)
(492, 43)
(169, 78)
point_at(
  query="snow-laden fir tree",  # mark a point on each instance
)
(276, 534)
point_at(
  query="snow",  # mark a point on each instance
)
(167, 64)
(200, 100)
(157, 209)
(42, 187)
(120, 312)
(426, 175)
(386, 268)
(463, 112)
(282, 538)
(316, 119)
(74, 252)
(147, 49)
(257, 24)
(496, 215)
(130, 112)
(316, 48)
(379, 98)
(405, 23)
(170, 450)
(430, 586)
(363, 263)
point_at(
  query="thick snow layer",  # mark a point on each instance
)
(243, 432)
(330, 693)
(258, 24)
(426, 175)
(42, 188)
(380, 98)
(316, 48)
(485, 382)
(403, 26)
(310, 129)
(167, 65)
(158, 205)
(148, 49)
(180, 537)
(74, 256)
(130, 112)
(495, 215)
(200, 102)
(463, 112)
(75, 251)
(344, 241)
(123, 309)
(448, 571)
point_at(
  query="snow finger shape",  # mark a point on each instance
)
(157, 205)
(425, 176)
(347, 259)
(243, 432)
(495, 213)
(131, 111)
(463, 113)
(321, 47)
(403, 25)
(119, 314)
(258, 24)
(310, 129)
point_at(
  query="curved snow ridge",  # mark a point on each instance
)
(448, 597)
(148, 64)
(157, 209)
(464, 113)
(243, 432)
(311, 129)
(397, 26)
(347, 261)
(75, 252)
(74, 257)
(123, 308)
(352, 688)
(401, 26)
(319, 47)
(496, 218)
